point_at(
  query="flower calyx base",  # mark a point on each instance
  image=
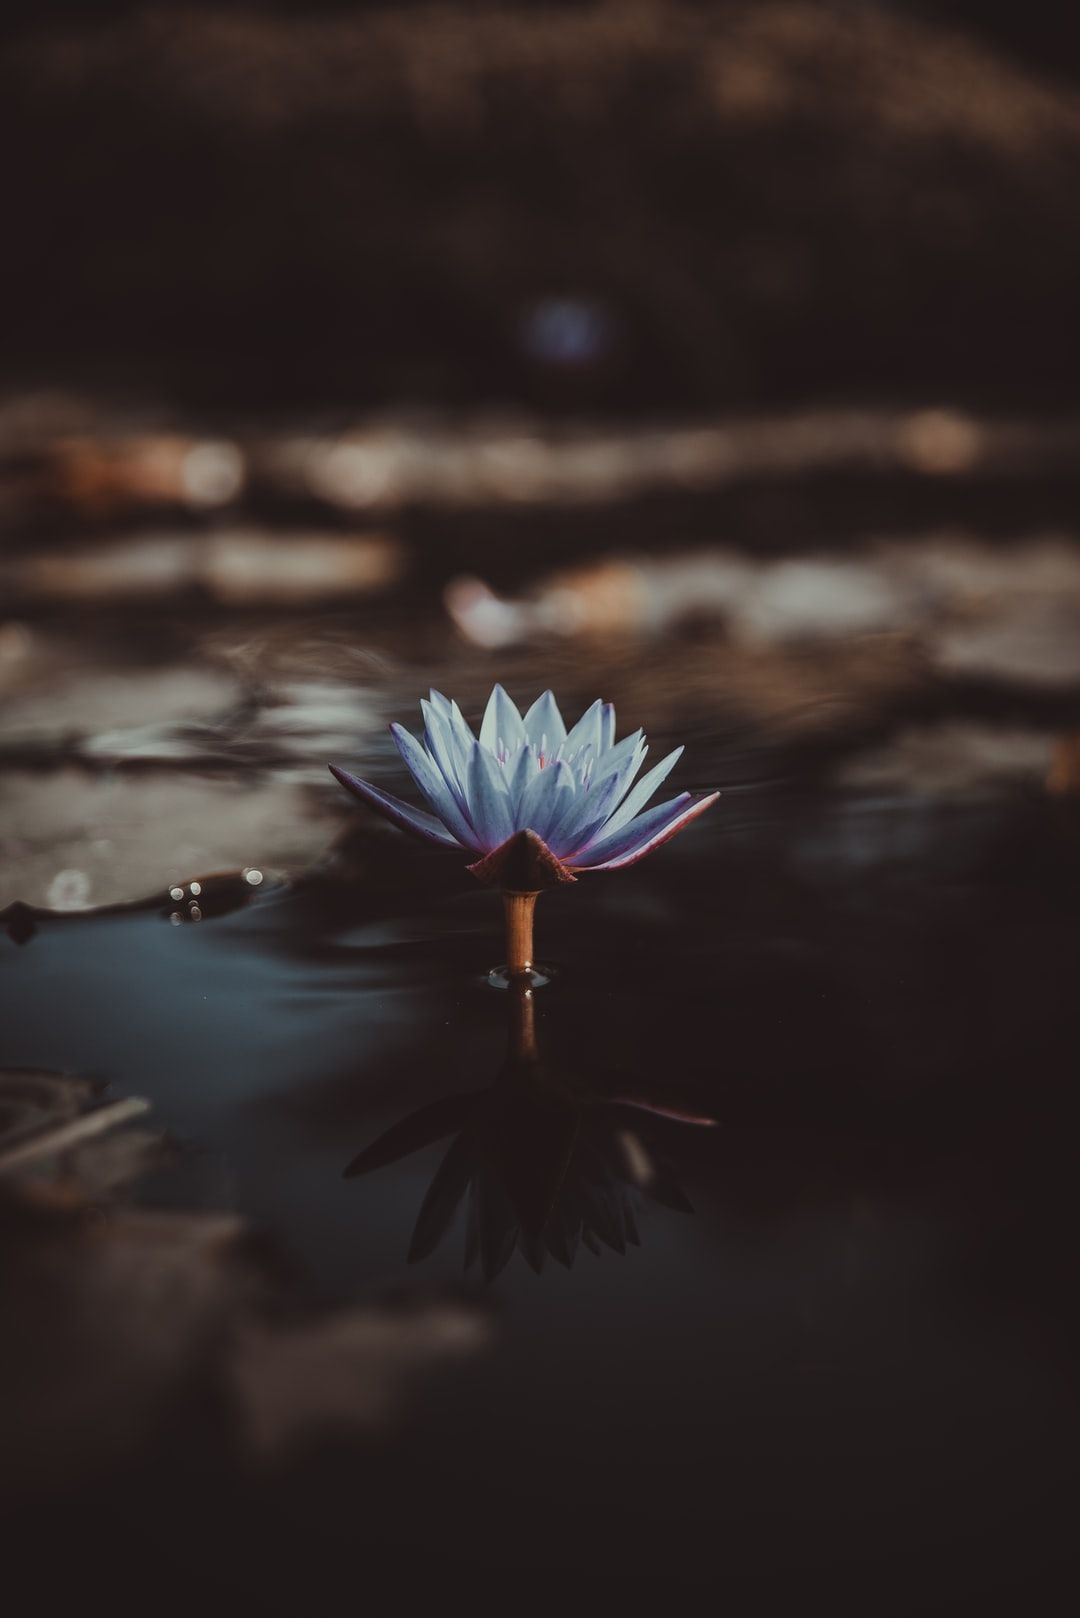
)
(523, 864)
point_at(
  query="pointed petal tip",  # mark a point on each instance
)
(652, 829)
(545, 717)
(345, 778)
(431, 828)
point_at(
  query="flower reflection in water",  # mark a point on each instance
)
(546, 1167)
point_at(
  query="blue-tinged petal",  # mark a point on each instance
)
(440, 703)
(489, 800)
(501, 723)
(404, 815)
(430, 781)
(546, 798)
(533, 807)
(562, 789)
(617, 755)
(607, 726)
(459, 743)
(624, 770)
(590, 814)
(544, 720)
(462, 732)
(640, 795)
(647, 832)
(586, 733)
(440, 745)
(519, 772)
(453, 760)
(582, 764)
(437, 740)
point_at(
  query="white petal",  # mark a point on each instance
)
(463, 731)
(586, 733)
(607, 726)
(502, 722)
(583, 765)
(461, 743)
(544, 719)
(614, 758)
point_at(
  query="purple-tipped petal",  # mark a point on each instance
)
(489, 799)
(430, 780)
(501, 723)
(645, 833)
(402, 814)
(544, 720)
(639, 796)
(572, 793)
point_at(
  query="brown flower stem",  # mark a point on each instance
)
(519, 930)
(521, 1045)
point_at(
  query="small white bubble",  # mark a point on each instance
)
(176, 918)
(253, 876)
(194, 912)
(176, 893)
(196, 888)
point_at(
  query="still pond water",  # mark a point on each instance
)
(766, 1195)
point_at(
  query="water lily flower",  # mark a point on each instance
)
(536, 803)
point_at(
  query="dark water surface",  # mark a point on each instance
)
(836, 1027)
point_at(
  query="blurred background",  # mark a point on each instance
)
(426, 333)
(716, 358)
